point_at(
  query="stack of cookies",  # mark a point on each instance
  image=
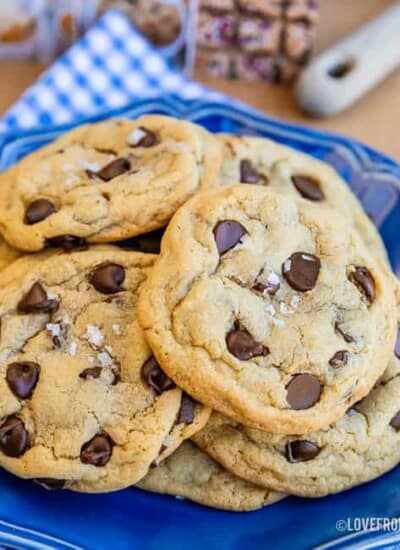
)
(256, 39)
(212, 317)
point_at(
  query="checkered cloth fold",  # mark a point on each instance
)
(110, 67)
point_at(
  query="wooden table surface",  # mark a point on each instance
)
(374, 120)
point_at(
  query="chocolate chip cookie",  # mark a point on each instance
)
(105, 182)
(269, 309)
(83, 402)
(258, 161)
(362, 445)
(192, 474)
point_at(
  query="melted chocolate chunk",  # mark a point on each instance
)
(22, 378)
(268, 287)
(36, 301)
(301, 271)
(308, 187)
(146, 138)
(14, 439)
(112, 170)
(91, 372)
(395, 422)
(38, 210)
(347, 337)
(98, 450)
(155, 377)
(149, 243)
(303, 391)
(49, 483)
(248, 173)
(397, 346)
(108, 278)
(68, 242)
(243, 346)
(301, 451)
(186, 414)
(364, 281)
(339, 359)
(227, 234)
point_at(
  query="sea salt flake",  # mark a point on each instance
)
(91, 166)
(287, 265)
(72, 349)
(94, 336)
(136, 136)
(279, 323)
(117, 329)
(104, 359)
(91, 360)
(284, 309)
(294, 302)
(54, 329)
(273, 278)
(269, 308)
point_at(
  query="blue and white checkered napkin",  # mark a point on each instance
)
(110, 67)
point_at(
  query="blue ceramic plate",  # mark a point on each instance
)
(33, 518)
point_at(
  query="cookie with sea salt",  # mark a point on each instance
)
(360, 446)
(83, 403)
(191, 474)
(259, 161)
(106, 182)
(268, 309)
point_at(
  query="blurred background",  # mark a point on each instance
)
(253, 50)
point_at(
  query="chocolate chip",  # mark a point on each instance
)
(68, 242)
(149, 243)
(187, 409)
(270, 286)
(397, 346)
(22, 378)
(308, 187)
(91, 372)
(98, 450)
(301, 271)
(155, 377)
(339, 359)
(248, 174)
(301, 451)
(36, 301)
(14, 439)
(243, 346)
(111, 170)
(38, 210)
(143, 138)
(227, 234)
(49, 483)
(364, 281)
(108, 278)
(303, 391)
(395, 422)
(347, 337)
(267, 288)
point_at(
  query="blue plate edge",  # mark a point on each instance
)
(184, 108)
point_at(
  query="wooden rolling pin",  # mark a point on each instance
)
(343, 74)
